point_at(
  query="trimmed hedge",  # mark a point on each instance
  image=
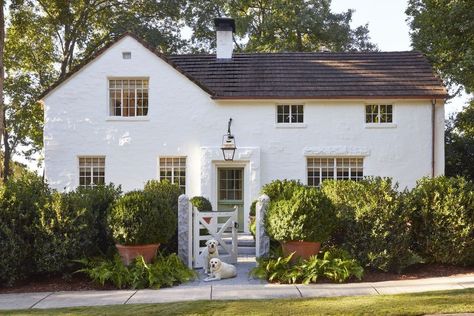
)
(374, 222)
(43, 231)
(443, 220)
(307, 215)
(201, 203)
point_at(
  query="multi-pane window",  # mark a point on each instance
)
(230, 184)
(173, 169)
(290, 114)
(128, 97)
(91, 171)
(322, 168)
(378, 113)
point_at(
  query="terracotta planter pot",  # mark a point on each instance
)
(302, 249)
(207, 219)
(129, 253)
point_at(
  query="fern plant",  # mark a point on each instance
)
(165, 271)
(335, 265)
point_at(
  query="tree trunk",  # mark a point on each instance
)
(6, 154)
(2, 72)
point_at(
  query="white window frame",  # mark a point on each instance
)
(91, 170)
(379, 123)
(290, 124)
(173, 167)
(334, 168)
(120, 117)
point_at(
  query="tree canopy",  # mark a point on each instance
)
(444, 31)
(278, 25)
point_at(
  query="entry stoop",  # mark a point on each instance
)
(245, 244)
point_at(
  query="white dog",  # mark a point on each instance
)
(221, 270)
(208, 253)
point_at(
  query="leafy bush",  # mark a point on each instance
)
(253, 227)
(335, 265)
(165, 196)
(307, 215)
(201, 203)
(164, 271)
(21, 200)
(373, 222)
(73, 226)
(281, 189)
(253, 208)
(443, 220)
(134, 220)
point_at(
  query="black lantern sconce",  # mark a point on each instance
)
(228, 144)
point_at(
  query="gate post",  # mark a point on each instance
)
(262, 239)
(185, 230)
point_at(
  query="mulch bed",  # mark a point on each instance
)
(82, 283)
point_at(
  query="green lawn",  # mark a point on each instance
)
(406, 304)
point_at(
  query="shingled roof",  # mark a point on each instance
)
(301, 75)
(315, 75)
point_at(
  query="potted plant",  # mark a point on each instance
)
(139, 222)
(203, 205)
(302, 222)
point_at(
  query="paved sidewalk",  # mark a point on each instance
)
(220, 290)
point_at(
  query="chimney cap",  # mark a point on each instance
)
(224, 24)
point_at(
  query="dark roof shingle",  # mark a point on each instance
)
(301, 75)
(315, 75)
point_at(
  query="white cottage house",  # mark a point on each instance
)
(131, 114)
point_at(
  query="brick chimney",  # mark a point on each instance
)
(225, 28)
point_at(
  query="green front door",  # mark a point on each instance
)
(230, 191)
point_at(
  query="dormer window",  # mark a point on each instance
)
(128, 97)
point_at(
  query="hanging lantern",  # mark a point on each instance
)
(228, 144)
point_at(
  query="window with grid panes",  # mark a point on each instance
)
(91, 171)
(173, 169)
(378, 113)
(290, 114)
(336, 168)
(128, 97)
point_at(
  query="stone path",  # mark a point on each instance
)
(241, 287)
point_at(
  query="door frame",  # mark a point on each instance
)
(246, 185)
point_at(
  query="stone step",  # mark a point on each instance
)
(246, 251)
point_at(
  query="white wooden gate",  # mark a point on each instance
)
(221, 226)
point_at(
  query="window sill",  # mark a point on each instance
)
(290, 125)
(380, 125)
(127, 119)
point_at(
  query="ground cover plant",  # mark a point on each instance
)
(335, 265)
(164, 271)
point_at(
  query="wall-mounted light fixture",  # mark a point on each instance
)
(228, 144)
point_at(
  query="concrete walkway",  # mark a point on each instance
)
(226, 290)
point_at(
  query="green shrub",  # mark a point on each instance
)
(165, 196)
(201, 203)
(443, 220)
(307, 215)
(253, 208)
(164, 271)
(281, 189)
(373, 222)
(73, 226)
(15, 254)
(134, 220)
(21, 200)
(335, 265)
(253, 227)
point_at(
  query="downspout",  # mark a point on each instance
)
(433, 131)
